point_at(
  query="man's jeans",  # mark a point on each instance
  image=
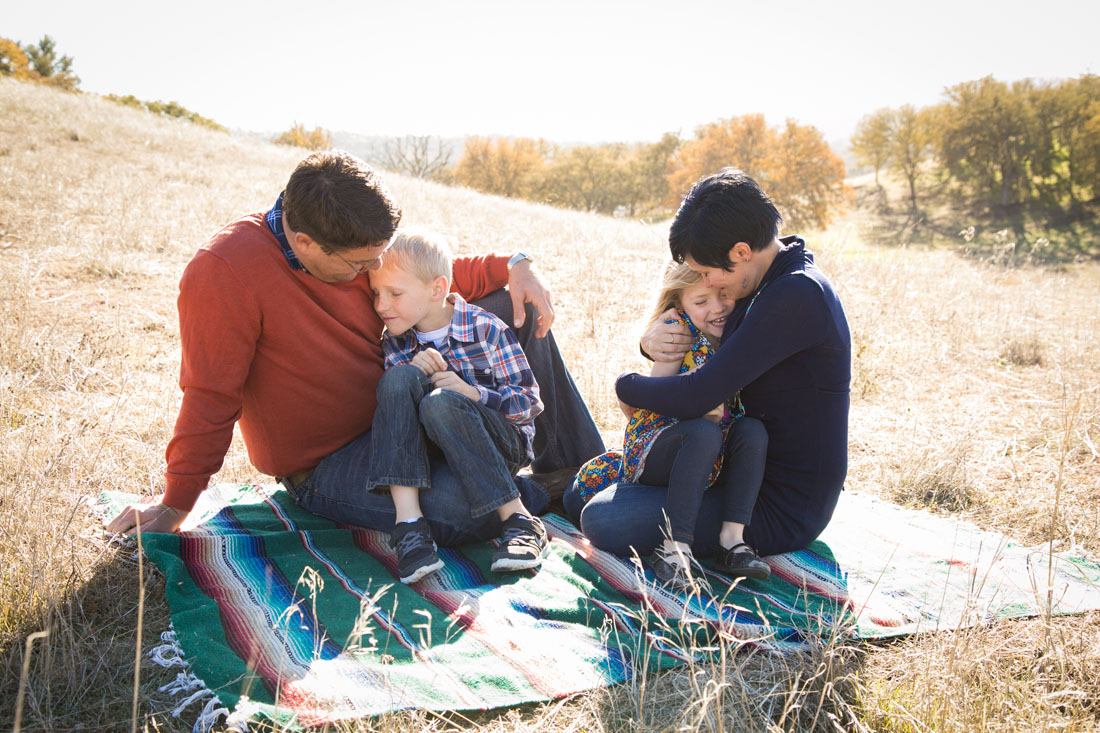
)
(565, 435)
(482, 447)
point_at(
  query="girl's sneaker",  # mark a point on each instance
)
(741, 561)
(416, 551)
(666, 564)
(522, 544)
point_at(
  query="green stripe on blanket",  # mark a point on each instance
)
(293, 617)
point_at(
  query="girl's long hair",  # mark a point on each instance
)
(678, 277)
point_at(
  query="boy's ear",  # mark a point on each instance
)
(440, 287)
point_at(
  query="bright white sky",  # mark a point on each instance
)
(565, 70)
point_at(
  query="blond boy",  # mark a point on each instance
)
(457, 383)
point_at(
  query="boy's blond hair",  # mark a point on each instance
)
(424, 254)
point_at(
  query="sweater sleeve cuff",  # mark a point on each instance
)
(182, 492)
(498, 270)
(623, 387)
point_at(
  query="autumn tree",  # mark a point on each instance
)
(505, 166)
(985, 140)
(1004, 144)
(646, 175)
(37, 62)
(315, 139)
(804, 177)
(871, 140)
(744, 142)
(795, 165)
(1066, 120)
(588, 177)
(49, 67)
(420, 156)
(1083, 157)
(14, 61)
(911, 140)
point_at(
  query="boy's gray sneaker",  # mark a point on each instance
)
(416, 551)
(522, 544)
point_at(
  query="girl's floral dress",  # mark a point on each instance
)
(644, 427)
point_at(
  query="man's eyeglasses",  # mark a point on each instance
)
(361, 267)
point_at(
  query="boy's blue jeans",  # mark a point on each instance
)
(565, 435)
(481, 446)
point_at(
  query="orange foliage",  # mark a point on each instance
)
(794, 165)
(805, 177)
(14, 61)
(507, 167)
(315, 139)
(743, 142)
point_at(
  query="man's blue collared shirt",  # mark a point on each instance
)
(275, 224)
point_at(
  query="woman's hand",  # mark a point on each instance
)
(627, 409)
(715, 415)
(667, 341)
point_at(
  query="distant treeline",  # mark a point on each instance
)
(1001, 146)
(169, 109)
(41, 63)
(792, 162)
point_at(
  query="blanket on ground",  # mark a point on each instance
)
(284, 614)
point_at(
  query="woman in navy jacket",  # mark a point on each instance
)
(786, 347)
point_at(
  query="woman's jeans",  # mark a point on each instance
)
(632, 517)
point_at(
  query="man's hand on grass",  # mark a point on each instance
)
(153, 518)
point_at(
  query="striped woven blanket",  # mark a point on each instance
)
(287, 615)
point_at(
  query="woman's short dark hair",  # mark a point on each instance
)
(718, 212)
(339, 202)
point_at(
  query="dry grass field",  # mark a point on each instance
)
(976, 392)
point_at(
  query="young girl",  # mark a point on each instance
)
(688, 455)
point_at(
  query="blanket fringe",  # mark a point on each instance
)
(168, 654)
(210, 715)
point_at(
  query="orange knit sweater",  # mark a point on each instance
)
(295, 360)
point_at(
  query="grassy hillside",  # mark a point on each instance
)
(975, 392)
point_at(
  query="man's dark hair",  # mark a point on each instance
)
(718, 212)
(339, 202)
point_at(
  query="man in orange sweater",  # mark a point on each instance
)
(280, 335)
